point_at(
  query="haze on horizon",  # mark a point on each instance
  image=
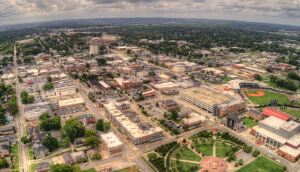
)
(265, 11)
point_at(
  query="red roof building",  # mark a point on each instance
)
(29, 82)
(215, 131)
(272, 112)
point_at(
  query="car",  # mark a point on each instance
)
(273, 158)
(86, 164)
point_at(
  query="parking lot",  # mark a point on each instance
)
(153, 110)
(70, 111)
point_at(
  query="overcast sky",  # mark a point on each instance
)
(270, 11)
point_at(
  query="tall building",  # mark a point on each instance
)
(94, 49)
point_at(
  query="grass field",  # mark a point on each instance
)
(266, 99)
(206, 148)
(222, 149)
(186, 166)
(261, 164)
(295, 113)
(14, 151)
(151, 155)
(187, 154)
(124, 170)
(249, 122)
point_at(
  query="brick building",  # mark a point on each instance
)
(170, 105)
(256, 115)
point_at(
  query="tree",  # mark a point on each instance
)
(84, 76)
(51, 143)
(49, 78)
(174, 114)
(255, 153)
(24, 97)
(87, 65)
(73, 128)
(247, 148)
(102, 126)
(241, 161)
(3, 163)
(13, 107)
(92, 141)
(101, 62)
(89, 133)
(236, 164)
(25, 140)
(157, 104)
(257, 77)
(48, 86)
(64, 168)
(106, 126)
(92, 77)
(30, 99)
(97, 156)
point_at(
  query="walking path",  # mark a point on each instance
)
(195, 162)
(214, 149)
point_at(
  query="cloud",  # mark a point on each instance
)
(256, 10)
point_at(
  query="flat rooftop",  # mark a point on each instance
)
(273, 122)
(206, 95)
(111, 140)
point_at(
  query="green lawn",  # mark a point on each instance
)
(261, 164)
(187, 154)
(295, 113)
(151, 155)
(186, 166)
(124, 170)
(222, 149)
(14, 150)
(249, 122)
(273, 84)
(205, 148)
(32, 167)
(266, 99)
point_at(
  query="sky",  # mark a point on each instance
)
(265, 11)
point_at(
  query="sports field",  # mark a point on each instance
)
(264, 97)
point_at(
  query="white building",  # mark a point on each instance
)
(94, 49)
(65, 88)
(178, 69)
(111, 143)
(34, 114)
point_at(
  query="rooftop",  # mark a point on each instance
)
(206, 95)
(111, 140)
(277, 114)
(273, 122)
(289, 150)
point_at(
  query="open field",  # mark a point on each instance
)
(261, 164)
(266, 98)
(186, 166)
(222, 149)
(186, 154)
(295, 113)
(249, 122)
(205, 148)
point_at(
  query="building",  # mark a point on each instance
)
(212, 71)
(170, 105)
(135, 83)
(123, 105)
(213, 101)
(6, 130)
(40, 151)
(166, 86)
(89, 118)
(43, 167)
(279, 134)
(278, 114)
(65, 88)
(183, 114)
(178, 69)
(149, 93)
(104, 85)
(77, 156)
(137, 133)
(256, 115)
(68, 158)
(94, 49)
(194, 120)
(234, 122)
(239, 66)
(34, 113)
(111, 143)
(69, 103)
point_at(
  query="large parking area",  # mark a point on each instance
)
(70, 110)
(153, 110)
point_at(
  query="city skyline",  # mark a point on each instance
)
(269, 11)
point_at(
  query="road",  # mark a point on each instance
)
(21, 123)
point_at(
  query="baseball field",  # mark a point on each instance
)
(264, 97)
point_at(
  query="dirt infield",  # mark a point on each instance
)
(259, 93)
(206, 161)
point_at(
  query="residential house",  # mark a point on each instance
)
(68, 158)
(7, 130)
(40, 151)
(43, 167)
